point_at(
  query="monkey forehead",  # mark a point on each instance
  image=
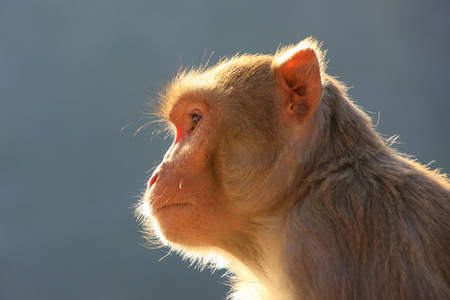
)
(186, 87)
(239, 73)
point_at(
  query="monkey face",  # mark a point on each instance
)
(182, 197)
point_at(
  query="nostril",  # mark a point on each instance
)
(152, 180)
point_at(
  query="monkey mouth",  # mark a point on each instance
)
(157, 210)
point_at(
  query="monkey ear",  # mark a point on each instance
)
(301, 86)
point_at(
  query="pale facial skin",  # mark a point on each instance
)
(187, 205)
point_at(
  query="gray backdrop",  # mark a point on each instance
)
(74, 73)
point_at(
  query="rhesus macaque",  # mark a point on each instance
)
(277, 176)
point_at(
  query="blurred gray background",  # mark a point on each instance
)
(74, 73)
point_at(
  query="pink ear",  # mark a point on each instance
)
(301, 84)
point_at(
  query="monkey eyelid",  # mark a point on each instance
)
(196, 119)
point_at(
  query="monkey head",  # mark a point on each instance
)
(238, 128)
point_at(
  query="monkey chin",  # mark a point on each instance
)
(178, 225)
(174, 221)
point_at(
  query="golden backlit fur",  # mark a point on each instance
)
(297, 196)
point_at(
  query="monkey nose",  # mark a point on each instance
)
(152, 181)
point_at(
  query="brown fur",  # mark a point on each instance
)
(300, 198)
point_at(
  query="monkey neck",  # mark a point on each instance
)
(345, 137)
(262, 274)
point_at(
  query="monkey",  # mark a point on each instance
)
(278, 176)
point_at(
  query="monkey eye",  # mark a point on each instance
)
(195, 120)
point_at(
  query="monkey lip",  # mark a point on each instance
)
(157, 210)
